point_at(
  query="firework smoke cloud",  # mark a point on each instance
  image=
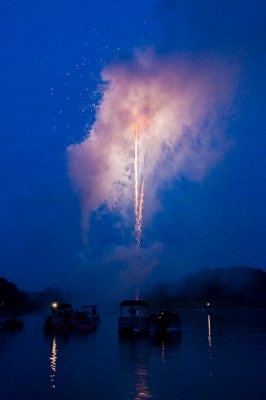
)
(180, 106)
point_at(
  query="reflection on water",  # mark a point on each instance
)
(163, 351)
(139, 356)
(53, 359)
(135, 354)
(209, 332)
(142, 389)
(210, 342)
(221, 356)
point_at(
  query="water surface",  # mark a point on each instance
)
(222, 356)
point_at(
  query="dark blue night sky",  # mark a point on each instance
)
(52, 55)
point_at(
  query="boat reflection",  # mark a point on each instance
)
(53, 359)
(135, 354)
(142, 389)
(138, 355)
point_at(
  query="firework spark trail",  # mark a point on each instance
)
(139, 186)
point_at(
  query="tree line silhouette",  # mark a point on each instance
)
(15, 300)
(232, 286)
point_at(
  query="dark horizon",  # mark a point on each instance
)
(232, 287)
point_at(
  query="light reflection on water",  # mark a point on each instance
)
(220, 356)
(138, 355)
(142, 388)
(163, 350)
(210, 341)
(53, 359)
(134, 356)
(209, 332)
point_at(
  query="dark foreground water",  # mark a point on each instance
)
(217, 357)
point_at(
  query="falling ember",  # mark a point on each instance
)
(139, 185)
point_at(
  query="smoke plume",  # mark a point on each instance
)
(180, 105)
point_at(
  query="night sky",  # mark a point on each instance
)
(52, 57)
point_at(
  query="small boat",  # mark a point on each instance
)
(133, 317)
(164, 322)
(64, 318)
(87, 319)
(61, 318)
(11, 324)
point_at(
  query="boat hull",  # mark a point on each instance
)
(65, 319)
(135, 318)
(129, 325)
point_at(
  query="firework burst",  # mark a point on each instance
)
(159, 118)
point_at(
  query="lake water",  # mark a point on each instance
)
(218, 357)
